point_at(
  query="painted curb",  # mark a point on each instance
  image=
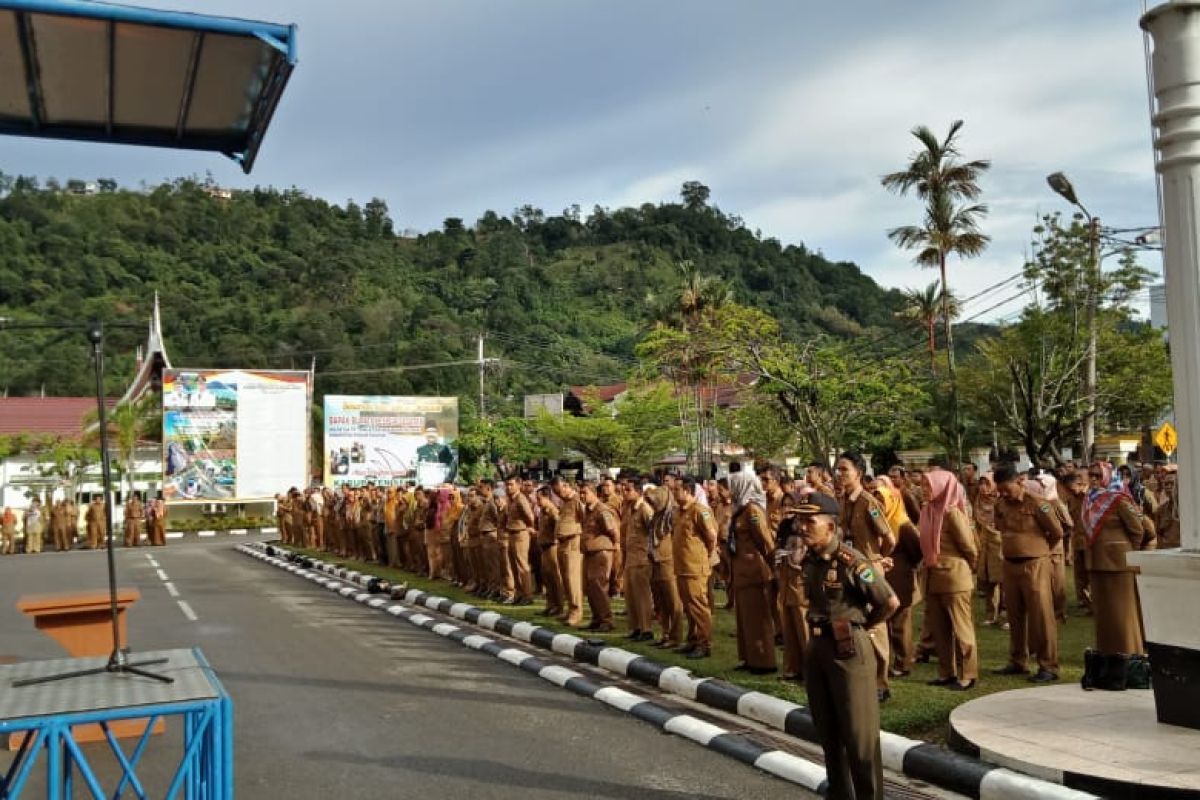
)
(916, 759)
(791, 768)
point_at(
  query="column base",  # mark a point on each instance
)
(1169, 584)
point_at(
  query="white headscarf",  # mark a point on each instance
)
(746, 489)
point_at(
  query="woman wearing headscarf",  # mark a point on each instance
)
(904, 577)
(667, 606)
(1044, 486)
(1114, 527)
(948, 547)
(990, 569)
(752, 544)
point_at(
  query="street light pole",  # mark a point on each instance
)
(1062, 187)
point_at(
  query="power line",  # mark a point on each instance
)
(404, 368)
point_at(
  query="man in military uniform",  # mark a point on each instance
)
(133, 521)
(607, 491)
(693, 541)
(598, 541)
(1029, 528)
(847, 597)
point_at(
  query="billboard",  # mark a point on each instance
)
(233, 435)
(390, 440)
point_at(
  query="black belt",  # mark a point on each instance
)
(826, 628)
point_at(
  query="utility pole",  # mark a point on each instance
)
(1093, 301)
(481, 366)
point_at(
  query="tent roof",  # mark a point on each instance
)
(95, 71)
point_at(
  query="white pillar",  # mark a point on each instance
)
(1169, 582)
(1175, 29)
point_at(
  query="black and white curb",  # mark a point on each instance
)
(783, 765)
(175, 535)
(916, 759)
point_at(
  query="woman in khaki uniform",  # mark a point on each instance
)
(1114, 528)
(635, 525)
(990, 570)
(948, 545)
(667, 607)
(905, 575)
(753, 543)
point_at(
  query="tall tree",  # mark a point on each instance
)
(948, 186)
(922, 309)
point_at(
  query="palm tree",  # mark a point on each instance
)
(948, 186)
(684, 309)
(922, 309)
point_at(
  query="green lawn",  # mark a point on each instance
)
(915, 710)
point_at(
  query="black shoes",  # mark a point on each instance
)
(1044, 676)
(884, 695)
(942, 681)
(962, 687)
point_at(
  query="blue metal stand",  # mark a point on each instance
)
(205, 769)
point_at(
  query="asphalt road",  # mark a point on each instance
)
(332, 699)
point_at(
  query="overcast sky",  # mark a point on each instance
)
(790, 111)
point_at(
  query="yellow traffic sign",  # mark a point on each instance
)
(1166, 438)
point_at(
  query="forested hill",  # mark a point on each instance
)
(272, 279)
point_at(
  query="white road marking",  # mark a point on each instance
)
(171, 590)
(162, 576)
(187, 610)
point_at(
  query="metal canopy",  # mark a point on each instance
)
(94, 71)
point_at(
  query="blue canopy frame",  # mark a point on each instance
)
(95, 71)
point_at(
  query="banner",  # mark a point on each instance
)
(231, 435)
(390, 440)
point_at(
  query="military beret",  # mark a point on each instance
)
(816, 503)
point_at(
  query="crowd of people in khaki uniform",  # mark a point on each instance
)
(144, 523)
(669, 545)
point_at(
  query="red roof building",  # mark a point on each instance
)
(45, 416)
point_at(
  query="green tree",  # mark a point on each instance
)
(487, 446)
(758, 426)
(635, 431)
(948, 187)
(923, 309)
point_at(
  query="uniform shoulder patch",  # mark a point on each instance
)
(864, 572)
(704, 512)
(1044, 508)
(873, 512)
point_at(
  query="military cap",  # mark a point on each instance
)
(816, 503)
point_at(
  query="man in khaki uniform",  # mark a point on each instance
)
(471, 547)
(133, 521)
(600, 531)
(847, 598)
(58, 526)
(489, 540)
(663, 586)
(570, 559)
(611, 496)
(518, 522)
(693, 540)
(283, 519)
(1030, 529)
(866, 529)
(548, 553)
(635, 526)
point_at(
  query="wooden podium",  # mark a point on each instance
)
(82, 623)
